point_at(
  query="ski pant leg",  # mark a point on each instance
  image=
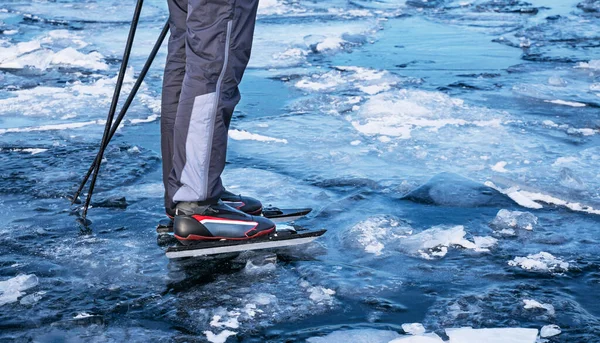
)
(171, 89)
(218, 44)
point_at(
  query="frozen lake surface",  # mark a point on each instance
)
(451, 148)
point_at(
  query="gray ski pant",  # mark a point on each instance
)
(209, 48)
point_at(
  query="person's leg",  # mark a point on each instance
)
(173, 79)
(218, 43)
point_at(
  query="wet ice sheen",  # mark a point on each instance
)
(348, 107)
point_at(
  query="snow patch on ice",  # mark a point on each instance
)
(231, 322)
(221, 337)
(12, 289)
(566, 103)
(592, 64)
(52, 127)
(398, 113)
(499, 167)
(241, 135)
(543, 261)
(82, 315)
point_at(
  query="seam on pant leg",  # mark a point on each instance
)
(216, 104)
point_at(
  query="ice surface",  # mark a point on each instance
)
(543, 261)
(550, 331)
(12, 289)
(504, 335)
(413, 328)
(425, 338)
(374, 233)
(357, 336)
(530, 304)
(506, 219)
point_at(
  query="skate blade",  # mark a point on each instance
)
(228, 247)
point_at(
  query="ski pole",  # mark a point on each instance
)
(115, 99)
(126, 105)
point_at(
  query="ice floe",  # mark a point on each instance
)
(510, 220)
(550, 331)
(12, 289)
(531, 304)
(435, 242)
(543, 261)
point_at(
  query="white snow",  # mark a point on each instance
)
(149, 119)
(33, 151)
(499, 167)
(241, 135)
(550, 331)
(82, 315)
(566, 103)
(330, 43)
(530, 304)
(221, 337)
(12, 289)
(500, 335)
(413, 328)
(396, 113)
(542, 261)
(231, 322)
(592, 64)
(534, 196)
(52, 127)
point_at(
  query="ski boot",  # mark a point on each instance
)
(243, 203)
(195, 223)
(240, 202)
